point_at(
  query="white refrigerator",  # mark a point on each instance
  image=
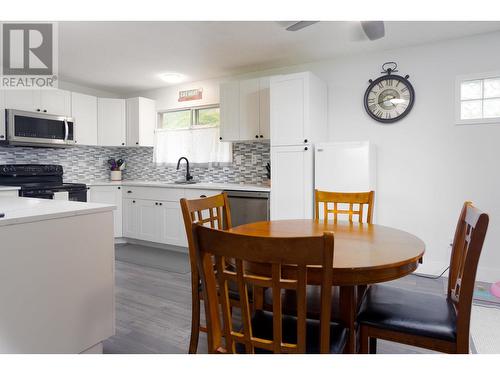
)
(345, 167)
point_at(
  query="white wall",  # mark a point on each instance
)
(167, 97)
(426, 165)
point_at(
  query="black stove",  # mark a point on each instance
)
(40, 181)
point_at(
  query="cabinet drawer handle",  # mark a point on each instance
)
(136, 143)
(38, 109)
(305, 148)
(119, 187)
(129, 191)
(256, 136)
(261, 136)
(123, 144)
(156, 203)
(305, 140)
(220, 138)
(133, 201)
(161, 204)
(203, 196)
(45, 110)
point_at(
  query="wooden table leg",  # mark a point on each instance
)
(348, 308)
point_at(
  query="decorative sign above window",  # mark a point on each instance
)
(187, 95)
(390, 97)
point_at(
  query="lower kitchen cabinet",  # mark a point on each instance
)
(154, 221)
(109, 195)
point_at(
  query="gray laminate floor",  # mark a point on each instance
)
(153, 309)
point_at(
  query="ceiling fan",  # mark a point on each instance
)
(373, 29)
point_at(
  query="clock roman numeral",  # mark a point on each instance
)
(397, 84)
(371, 100)
(379, 113)
(372, 107)
(381, 84)
(404, 89)
(388, 115)
(389, 82)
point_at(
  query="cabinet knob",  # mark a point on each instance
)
(305, 140)
(88, 187)
(45, 110)
(305, 148)
(161, 204)
(123, 144)
(220, 138)
(133, 201)
(136, 143)
(261, 136)
(129, 191)
(203, 196)
(38, 109)
(256, 136)
(119, 187)
(2, 137)
(156, 203)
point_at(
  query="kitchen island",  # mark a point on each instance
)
(57, 272)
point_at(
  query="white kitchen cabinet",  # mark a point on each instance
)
(111, 122)
(109, 195)
(249, 109)
(23, 100)
(51, 101)
(56, 102)
(172, 230)
(149, 220)
(264, 106)
(141, 121)
(9, 193)
(244, 108)
(298, 109)
(3, 135)
(130, 218)
(84, 111)
(229, 111)
(292, 179)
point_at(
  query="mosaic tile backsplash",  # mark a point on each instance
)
(87, 163)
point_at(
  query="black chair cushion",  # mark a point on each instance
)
(407, 311)
(313, 293)
(262, 326)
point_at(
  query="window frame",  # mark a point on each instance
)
(458, 98)
(193, 117)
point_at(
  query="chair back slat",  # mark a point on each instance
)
(354, 203)
(212, 211)
(276, 253)
(466, 250)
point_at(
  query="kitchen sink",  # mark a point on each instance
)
(183, 182)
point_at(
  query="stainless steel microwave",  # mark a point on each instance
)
(39, 129)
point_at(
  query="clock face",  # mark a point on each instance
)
(389, 98)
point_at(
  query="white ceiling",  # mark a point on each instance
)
(124, 57)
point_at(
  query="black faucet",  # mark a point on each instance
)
(188, 175)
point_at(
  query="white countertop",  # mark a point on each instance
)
(26, 210)
(9, 188)
(200, 185)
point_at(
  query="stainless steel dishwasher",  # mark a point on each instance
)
(248, 206)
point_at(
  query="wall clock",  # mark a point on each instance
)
(390, 97)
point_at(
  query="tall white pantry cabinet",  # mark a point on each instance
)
(298, 120)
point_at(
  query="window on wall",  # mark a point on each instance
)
(478, 99)
(193, 133)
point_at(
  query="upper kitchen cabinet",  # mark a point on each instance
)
(230, 111)
(84, 111)
(298, 109)
(141, 121)
(52, 101)
(56, 102)
(244, 108)
(111, 122)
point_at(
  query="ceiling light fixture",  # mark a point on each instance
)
(172, 77)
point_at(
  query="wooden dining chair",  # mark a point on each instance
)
(263, 331)
(356, 201)
(212, 211)
(424, 320)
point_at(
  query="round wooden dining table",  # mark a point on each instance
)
(363, 254)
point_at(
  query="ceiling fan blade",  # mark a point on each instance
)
(373, 29)
(300, 25)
